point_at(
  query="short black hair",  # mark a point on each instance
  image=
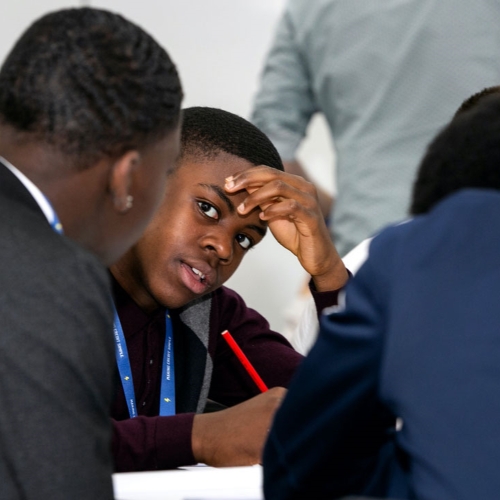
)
(90, 83)
(471, 101)
(208, 131)
(465, 154)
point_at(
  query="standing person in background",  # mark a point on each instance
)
(386, 75)
(89, 131)
(304, 336)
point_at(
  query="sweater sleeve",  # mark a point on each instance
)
(322, 300)
(153, 443)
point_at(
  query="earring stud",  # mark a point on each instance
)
(129, 203)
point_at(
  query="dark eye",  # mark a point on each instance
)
(244, 241)
(208, 210)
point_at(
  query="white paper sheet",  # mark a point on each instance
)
(191, 483)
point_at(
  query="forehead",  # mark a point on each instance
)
(205, 177)
(213, 169)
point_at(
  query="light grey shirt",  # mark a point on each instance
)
(387, 74)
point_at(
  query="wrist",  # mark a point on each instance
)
(198, 438)
(333, 279)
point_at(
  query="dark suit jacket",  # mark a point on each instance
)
(419, 339)
(56, 359)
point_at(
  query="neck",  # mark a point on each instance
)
(77, 195)
(129, 278)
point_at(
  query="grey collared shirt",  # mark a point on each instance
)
(387, 74)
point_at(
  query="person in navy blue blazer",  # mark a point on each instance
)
(399, 397)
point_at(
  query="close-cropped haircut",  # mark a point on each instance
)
(206, 132)
(91, 84)
(471, 102)
(465, 154)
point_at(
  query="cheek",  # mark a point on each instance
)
(157, 192)
(228, 271)
(148, 206)
(158, 182)
(150, 254)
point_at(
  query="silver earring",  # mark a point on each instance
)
(129, 202)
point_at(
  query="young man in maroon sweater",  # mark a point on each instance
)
(171, 305)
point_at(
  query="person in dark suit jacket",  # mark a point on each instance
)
(89, 130)
(416, 339)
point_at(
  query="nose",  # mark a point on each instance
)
(220, 244)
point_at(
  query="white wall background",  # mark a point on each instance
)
(219, 47)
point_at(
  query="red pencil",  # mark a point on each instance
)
(244, 361)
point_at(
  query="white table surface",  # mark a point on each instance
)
(191, 483)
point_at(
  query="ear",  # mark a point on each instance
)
(120, 180)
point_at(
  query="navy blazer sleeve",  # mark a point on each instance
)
(331, 427)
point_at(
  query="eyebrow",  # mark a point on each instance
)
(221, 194)
(262, 230)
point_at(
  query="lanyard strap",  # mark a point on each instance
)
(167, 390)
(55, 223)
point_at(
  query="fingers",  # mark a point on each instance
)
(255, 177)
(292, 210)
(267, 187)
(273, 397)
(301, 215)
(236, 436)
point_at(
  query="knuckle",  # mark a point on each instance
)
(279, 185)
(312, 189)
(240, 177)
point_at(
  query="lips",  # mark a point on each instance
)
(197, 277)
(198, 273)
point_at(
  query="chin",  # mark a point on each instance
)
(176, 302)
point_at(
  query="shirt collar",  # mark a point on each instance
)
(39, 197)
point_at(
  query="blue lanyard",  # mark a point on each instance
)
(167, 390)
(55, 223)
